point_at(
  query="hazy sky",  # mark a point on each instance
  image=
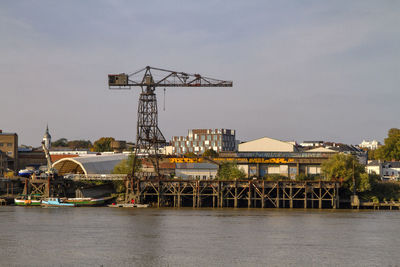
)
(302, 70)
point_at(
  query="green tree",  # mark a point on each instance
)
(103, 144)
(372, 154)
(230, 171)
(210, 153)
(190, 155)
(75, 144)
(62, 142)
(342, 166)
(391, 149)
(125, 166)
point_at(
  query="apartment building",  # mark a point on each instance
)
(200, 140)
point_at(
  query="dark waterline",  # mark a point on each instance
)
(197, 237)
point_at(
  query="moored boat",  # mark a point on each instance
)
(26, 201)
(56, 202)
(81, 202)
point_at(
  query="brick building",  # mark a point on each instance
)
(9, 145)
(3, 163)
(200, 140)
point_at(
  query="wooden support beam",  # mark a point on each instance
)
(263, 194)
(235, 198)
(320, 196)
(277, 195)
(249, 195)
(305, 195)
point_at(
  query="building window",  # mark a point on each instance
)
(1, 144)
(9, 144)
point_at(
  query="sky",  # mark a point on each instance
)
(301, 70)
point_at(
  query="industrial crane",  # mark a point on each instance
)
(149, 138)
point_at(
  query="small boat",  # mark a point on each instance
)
(56, 202)
(83, 202)
(26, 201)
(25, 173)
(114, 205)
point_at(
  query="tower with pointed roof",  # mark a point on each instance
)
(47, 138)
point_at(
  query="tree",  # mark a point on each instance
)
(75, 144)
(372, 154)
(343, 166)
(125, 166)
(62, 142)
(103, 144)
(210, 153)
(190, 155)
(391, 149)
(230, 171)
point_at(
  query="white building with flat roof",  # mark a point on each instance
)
(370, 144)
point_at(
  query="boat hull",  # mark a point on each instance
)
(55, 203)
(27, 202)
(86, 202)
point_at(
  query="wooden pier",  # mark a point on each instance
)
(243, 193)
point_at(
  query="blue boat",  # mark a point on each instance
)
(55, 202)
(25, 173)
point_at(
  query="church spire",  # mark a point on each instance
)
(47, 138)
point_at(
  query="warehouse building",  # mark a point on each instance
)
(267, 156)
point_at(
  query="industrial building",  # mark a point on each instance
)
(198, 171)
(199, 140)
(9, 146)
(267, 156)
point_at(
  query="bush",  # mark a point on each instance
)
(275, 177)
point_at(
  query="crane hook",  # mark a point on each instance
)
(164, 100)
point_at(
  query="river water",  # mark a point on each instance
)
(34, 236)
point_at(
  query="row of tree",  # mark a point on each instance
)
(101, 145)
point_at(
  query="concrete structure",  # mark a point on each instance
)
(370, 144)
(267, 144)
(198, 171)
(199, 140)
(9, 145)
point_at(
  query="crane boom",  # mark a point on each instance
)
(165, 78)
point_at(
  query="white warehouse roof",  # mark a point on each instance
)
(267, 144)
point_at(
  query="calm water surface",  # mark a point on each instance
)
(197, 237)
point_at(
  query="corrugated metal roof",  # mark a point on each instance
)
(196, 166)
